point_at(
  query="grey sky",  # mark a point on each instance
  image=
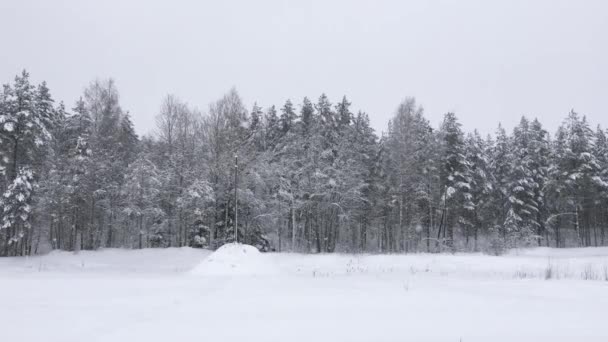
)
(488, 61)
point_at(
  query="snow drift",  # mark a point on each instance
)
(236, 259)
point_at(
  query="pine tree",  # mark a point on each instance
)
(256, 128)
(481, 186)
(307, 115)
(454, 177)
(363, 150)
(288, 117)
(16, 209)
(344, 115)
(539, 151)
(26, 122)
(273, 128)
(601, 154)
(255, 117)
(524, 207)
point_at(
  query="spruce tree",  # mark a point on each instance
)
(288, 117)
(454, 177)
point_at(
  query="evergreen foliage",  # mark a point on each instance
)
(309, 178)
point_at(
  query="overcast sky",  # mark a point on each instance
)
(488, 61)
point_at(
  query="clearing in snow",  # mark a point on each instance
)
(239, 294)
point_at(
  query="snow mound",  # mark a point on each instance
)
(236, 259)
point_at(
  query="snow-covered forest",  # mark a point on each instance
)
(311, 176)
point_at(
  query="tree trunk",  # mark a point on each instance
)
(141, 219)
(557, 237)
(92, 224)
(576, 225)
(363, 235)
(401, 221)
(318, 234)
(293, 228)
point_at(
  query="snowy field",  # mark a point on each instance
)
(238, 294)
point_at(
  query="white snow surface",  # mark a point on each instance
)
(239, 294)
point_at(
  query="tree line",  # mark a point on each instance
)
(311, 177)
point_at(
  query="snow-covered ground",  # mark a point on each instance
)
(238, 294)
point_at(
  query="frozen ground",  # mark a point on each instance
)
(240, 295)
